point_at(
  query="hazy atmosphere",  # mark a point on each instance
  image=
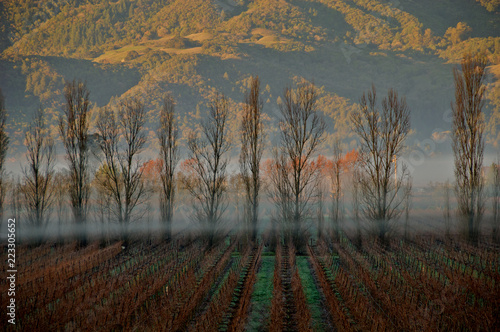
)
(267, 165)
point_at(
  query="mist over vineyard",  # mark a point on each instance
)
(237, 165)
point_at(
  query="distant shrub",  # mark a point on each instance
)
(154, 58)
(131, 56)
(180, 43)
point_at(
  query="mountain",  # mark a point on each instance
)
(191, 48)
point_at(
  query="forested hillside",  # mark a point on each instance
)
(193, 48)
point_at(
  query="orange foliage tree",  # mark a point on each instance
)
(279, 173)
(334, 170)
(151, 172)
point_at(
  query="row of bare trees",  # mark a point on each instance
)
(385, 196)
(119, 138)
(38, 190)
(381, 187)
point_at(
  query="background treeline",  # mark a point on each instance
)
(89, 28)
(134, 47)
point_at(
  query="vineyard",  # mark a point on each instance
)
(424, 284)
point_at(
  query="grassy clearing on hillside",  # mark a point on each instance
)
(162, 44)
(119, 55)
(202, 36)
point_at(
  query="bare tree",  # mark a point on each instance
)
(496, 200)
(252, 147)
(73, 128)
(122, 173)
(336, 187)
(237, 200)
(169, 155)
(356, 204)
(16, 199)
(4, 144)
(382, 134)
(322, 190)
(209, 162)
(38, 174)
(447, 208)
(103, 205)
(468, 141)
(280, 191)
(407, 204)
(302, 130)
(60, 200)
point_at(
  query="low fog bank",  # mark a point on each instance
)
(426, 169)
(428, 205)
(421, 221)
